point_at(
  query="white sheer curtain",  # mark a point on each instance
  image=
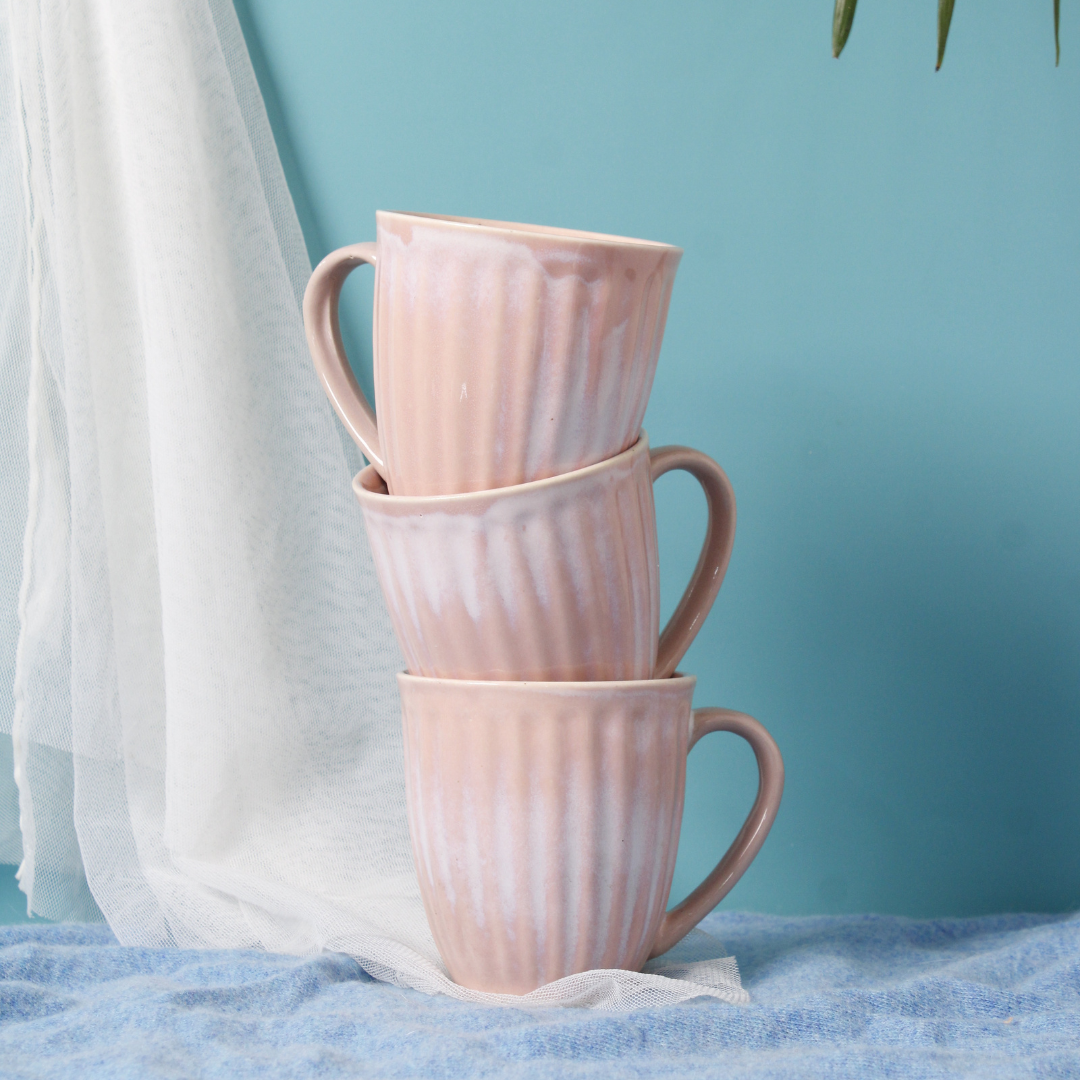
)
(205, 735)
(14, 473)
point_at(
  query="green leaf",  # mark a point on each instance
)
(944, 17)
(843, 16)
(1057, 40)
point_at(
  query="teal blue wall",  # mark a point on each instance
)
(875, 329)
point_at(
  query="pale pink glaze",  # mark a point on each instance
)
(545, 820)
(553, 580)
(503, 353)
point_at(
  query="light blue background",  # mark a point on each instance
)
(876, 331)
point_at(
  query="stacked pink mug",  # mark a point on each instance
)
(509, 508)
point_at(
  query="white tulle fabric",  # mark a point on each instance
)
(205, 730)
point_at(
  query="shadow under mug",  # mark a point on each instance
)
(544, 821)
(551, 581)
(503, 353)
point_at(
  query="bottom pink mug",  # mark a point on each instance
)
(545, 817)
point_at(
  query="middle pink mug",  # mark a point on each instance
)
(556, 580)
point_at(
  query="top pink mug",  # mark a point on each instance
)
(503, 353)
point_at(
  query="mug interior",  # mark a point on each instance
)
(370, 479)
(369, 482)
(675, 684)
(532, 230)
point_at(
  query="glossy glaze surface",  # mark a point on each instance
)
(545, 820)
(503, 353)
(553, 580)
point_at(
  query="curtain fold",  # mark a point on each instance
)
(14, 473)
(205, 729)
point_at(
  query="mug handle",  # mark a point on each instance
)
(712, 563)
(327, 350)
(682, 918)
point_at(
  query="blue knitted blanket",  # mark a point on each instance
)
(862, 996)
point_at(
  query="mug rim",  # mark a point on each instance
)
(516, 228)
(487, 495)
(679, 681)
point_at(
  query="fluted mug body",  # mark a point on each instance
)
(544, 821)
(503, 353)
(556, 580)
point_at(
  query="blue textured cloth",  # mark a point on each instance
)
(854, 997)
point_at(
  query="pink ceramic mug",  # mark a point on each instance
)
(544, 820)
(503, 353)
(554, 580)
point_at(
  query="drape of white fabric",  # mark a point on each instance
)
(14, 472)
(205, 725)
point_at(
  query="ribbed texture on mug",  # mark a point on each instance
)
(499, 361)
(544, 826)
(552, 582)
